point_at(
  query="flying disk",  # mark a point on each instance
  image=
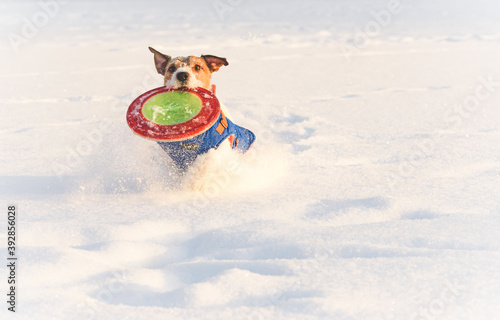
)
(170, 114)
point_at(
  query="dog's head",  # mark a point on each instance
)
(188, 72)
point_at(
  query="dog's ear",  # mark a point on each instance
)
(161, 60)
(214, 63)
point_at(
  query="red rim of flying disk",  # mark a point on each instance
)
(205, 119)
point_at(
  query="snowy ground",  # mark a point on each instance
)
(373, 191)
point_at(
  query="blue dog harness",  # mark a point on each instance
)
(185, 152)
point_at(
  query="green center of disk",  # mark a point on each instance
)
(173, 107)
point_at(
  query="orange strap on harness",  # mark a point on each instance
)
(222, 124)
(233, 141)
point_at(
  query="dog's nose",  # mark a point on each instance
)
(182, 76)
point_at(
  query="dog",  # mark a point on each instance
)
(193, 72)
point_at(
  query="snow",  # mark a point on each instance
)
(372, 191)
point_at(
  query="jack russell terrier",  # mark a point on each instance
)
(193, 72)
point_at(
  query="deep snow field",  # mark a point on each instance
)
(372, 192)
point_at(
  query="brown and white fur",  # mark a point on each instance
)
(189, 71)
(192, 72)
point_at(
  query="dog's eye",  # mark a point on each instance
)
(171, 69)
(197, 67)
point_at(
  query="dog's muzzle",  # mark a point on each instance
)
(182, 76)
